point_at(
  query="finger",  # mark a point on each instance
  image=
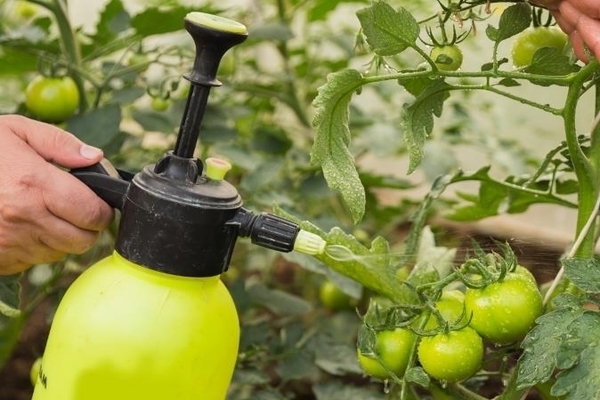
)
(12, 268)
(63, 237)
(563, 23)
(578, 46)
(68, 199)
(590, 8)
(587, 29)
(52, 143)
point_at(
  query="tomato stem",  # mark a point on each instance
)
(69, 44)
(585, 168)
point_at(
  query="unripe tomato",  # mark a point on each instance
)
(160, 104)
(451, 307)
(34, 372)
(333, 298)
(25, 10)
(52, 99)
(394, 348)
(452, 356)
(503, 312)
(532, 39)
(447, 58)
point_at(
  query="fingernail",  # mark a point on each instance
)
(90, 152)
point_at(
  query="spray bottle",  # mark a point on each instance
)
(153, 321)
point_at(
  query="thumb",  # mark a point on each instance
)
(52, 143)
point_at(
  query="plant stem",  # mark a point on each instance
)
(585, 170)
(70, 46)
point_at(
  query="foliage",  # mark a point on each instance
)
(299, 125)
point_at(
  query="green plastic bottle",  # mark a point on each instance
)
(153, 321)
(127, 332)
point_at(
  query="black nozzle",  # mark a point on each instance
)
(213, 36)
(267, 230)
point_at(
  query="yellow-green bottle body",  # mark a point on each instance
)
(125, 332)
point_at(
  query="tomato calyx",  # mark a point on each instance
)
(486, 268)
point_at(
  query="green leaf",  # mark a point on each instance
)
(296, 364)
(431, 257)
(388, 31)
(543, 343)
(579, 359)
(97, 127)
(277, 301)
(496, 197)
(370, 266)
(509, 82)
(10, 329)
(332, 139)
(337, 390)
(550, 61)
(320, 9)
(418, 376)
(513, 20)
(583, 273)
(113, 20)
(417, 119)
(9, 295)
(336, 358)
(272, 31)
(155, 21)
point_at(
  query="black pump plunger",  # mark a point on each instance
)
(213, 36)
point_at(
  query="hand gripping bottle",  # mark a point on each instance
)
(153, 321)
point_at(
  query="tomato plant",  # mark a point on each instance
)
(34, 372)
(52, 99)
(504, 311)
(452, 356)
(528, 42)
(447, 57)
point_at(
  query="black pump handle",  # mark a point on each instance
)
(109, 183)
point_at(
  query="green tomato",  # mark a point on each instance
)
(452, 356)
(333, 298)
(394, 348)
(503, 312)
(160, 104)
(532, 39)
(52, 99)
(34, 372)
(25, 9)
(448, 57)
(451, 307)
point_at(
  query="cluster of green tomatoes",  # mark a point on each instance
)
(449, 56)
(453, 331)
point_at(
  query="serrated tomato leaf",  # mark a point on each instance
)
(388, 31)
(513, 20)
(551, 61)
(372, 266)
(417, 119)
(579, 359)
(583, 273)
(332, 139)
(495, 196)
(542, 344)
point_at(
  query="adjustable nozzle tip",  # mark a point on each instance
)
(309, 243)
